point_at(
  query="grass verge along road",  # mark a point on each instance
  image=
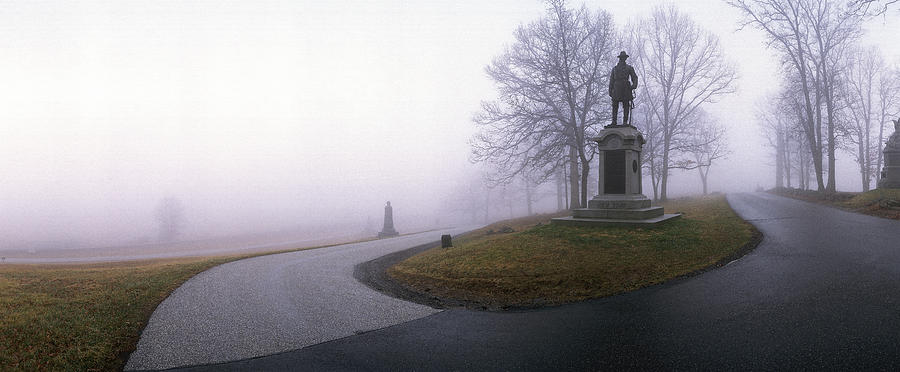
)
(82, 317)
(884, 203)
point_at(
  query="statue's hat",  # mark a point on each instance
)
(623, 55)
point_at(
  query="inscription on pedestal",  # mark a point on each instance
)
(614, 167)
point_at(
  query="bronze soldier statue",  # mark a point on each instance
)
(621, 90)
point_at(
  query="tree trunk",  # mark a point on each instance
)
(585, 174)
(817, 167)
(787, 162)
(528, 196)
(487, 204)
(653, 181)
(810, 127)
(868, 151)
(664, 176)
(573, 179)
(829, 112)
(560, 191)
(703, 177)
(831, 159)
(880, 152)
(779, 158)
(565, 182)
(860, 148)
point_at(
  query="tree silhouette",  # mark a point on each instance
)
(170, 215)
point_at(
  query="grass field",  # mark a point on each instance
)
(86, 317)
(543, 264)
(82, 317)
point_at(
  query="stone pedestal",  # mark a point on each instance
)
(621, 200)
(388, 229)
(890, 175)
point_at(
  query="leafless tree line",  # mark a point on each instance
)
(552, 87)
(835, 93)
(683, 69)
(869, 7)
(476, 199)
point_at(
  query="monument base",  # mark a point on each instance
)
(387, 234)
(890, 178)
(616, 210)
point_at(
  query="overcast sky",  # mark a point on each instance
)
(261, 112)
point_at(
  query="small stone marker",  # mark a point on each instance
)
(445, 241)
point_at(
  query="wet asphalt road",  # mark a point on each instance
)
(822, 291)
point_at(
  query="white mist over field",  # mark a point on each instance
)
(298, 118)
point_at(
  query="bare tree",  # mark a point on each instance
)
(783, 23)
(869, 7)
(562, 192)
(170, 216)
(859, 96)
(683, 68)
(774, 126)
(833, 35)
(781, 121)
(803, 163)
(811, 35)
(870, 100)
(646, 120)
(888, 108)
(551, 85)
(706, 144)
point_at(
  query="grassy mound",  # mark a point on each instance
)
(551, 264)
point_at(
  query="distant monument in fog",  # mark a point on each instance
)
(388, 229)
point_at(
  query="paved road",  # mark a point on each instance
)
(270, 304)
(822, 291)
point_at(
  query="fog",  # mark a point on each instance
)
(296, 118)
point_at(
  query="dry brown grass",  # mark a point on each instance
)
(551, 264)
(86, 317)
(82, 317)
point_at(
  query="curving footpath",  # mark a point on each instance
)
(821, 292)
(270, 304)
